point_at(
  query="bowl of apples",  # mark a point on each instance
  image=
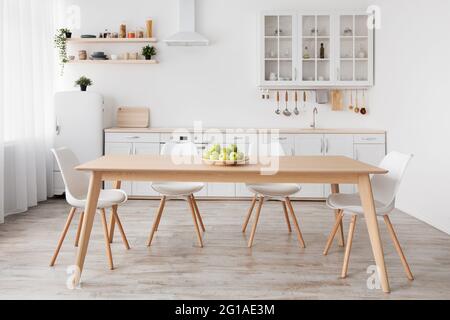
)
(224, 156)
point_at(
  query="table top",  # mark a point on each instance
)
(286, 165)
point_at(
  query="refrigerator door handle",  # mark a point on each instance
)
(57, 127)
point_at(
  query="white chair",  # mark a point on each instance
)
(76, 184)
(183, 190)
(276, 191)
(384, 188)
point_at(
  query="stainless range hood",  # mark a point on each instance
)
(186, 35)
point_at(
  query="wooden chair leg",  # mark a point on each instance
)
(341, 230)
(398, 247)
(255, 223)
(80, 224)
(286, 216)
(348, 248)
(249, 214)
(63, 236)
(194, 217)
(112, 225)
(106, 234)
(197, 212)
(337, 224)
(122, 232)
(156, 220)
(294, 219)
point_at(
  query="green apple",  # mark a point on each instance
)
(214, 156)
(240, 156)
(229, 150)
(217, 147)
(223, 156)
(233, 156)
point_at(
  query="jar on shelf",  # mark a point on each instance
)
(123, 30)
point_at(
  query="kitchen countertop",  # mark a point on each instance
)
(282, 130)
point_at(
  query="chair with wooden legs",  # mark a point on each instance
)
(385, 189)
(275, 191)
(179, 190)
(76, 185)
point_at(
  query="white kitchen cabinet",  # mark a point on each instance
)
(115, 148)
(327, 145)
(310, 145)
(316, 35)
(291, 45)
(370, 153)
(339, 145)
(279, 48)
(354, 54)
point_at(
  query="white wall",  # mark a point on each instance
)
(411, 97)
(215, 84)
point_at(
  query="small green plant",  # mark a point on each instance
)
(61, 44)
(83, 83)
(148, 52)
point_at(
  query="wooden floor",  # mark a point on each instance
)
(175, 268)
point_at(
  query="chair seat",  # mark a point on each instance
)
(106, 199)
(351, 204)
(274, 189)
(177, 188)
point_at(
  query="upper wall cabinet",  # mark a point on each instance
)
(279, 48)
(315, 50)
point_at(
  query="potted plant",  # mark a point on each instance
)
(61, 44)
(83, 82)
(148, 52)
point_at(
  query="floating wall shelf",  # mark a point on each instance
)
(114, 62)
(111, 40)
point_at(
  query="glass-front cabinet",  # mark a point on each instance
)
(279, 48)
(316, 49)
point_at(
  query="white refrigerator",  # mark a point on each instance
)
(79, 126)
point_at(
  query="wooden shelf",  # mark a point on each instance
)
(111, 40)
(114, 62)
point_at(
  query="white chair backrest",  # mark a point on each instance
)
(385, 187)
(179, 149)
(76, 182)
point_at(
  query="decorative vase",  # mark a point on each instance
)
(83, 88)
(148, 57)
(68, 35)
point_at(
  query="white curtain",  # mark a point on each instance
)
(26, 102)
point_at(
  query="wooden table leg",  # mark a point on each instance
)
(335, 189)
(95, 185)
(112, 223)
(365, 191)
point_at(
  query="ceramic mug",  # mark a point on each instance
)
(114, 57)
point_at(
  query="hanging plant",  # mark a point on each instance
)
(61, 44)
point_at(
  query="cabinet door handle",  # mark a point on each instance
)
(356, 154)
(321, 146)
(295, 74)
(327, 145)
(132, 137)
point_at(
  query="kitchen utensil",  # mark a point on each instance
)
(278, 111)
(322, 96)
(133, 117)
(286, 111)
(296, 112)
(363, 109)
(336, 100)
(305, 98)
(350, 107)
(356, 109)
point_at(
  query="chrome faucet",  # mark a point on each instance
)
(315, 112)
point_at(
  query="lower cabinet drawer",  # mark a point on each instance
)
(132, 137)
(369, 138)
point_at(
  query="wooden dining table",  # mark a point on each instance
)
(333, 170)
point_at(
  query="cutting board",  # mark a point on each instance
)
(336, 100)
(133, 117)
